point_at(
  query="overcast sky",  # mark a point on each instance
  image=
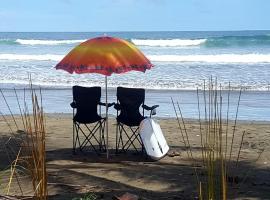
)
(134, 15)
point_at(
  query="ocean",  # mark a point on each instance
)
(183, 60)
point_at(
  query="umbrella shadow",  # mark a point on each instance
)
(168, 178)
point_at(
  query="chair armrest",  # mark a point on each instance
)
(149, 108)
(104, 104)
(73, 104)
(117, 106)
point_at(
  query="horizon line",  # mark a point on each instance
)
(124, 31)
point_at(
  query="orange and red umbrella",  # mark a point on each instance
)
(104, 55)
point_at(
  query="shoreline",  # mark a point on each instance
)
(254, 106)
(193, 120)
(153, 90)
(156, 118)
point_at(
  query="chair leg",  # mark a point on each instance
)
(73, 138)
(116, 140)
(129, 142)
(77, 139)
(103, 142)
(90, 136)
(130, 139)
(121, 136)
(100, 136)
(95, 134)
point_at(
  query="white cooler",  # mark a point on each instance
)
(153, 140)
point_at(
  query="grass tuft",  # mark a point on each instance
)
(30, 150)
(216, 156)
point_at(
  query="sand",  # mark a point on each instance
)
(172, 177)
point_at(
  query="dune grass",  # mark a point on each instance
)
(215, 166)
(30, 157)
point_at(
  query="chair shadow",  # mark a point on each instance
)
(179, 178)
(101, 157)
(253, 181)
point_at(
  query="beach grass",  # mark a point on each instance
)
(30, 153)
(217, 165)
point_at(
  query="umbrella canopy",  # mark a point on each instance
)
(104, 55)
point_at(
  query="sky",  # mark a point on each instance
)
(134, 15)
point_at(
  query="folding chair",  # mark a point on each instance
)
(129, 101)
(88, 125)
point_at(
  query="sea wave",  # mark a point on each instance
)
(207, 41)
(30, 57)
(219, 58)
(32, 42)
(242, 41)
(168, 43)
(47, 42)
(63, 82)
(7, 42)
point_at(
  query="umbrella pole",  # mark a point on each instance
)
(106, 99)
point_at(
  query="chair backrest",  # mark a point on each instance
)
(86, 99)
(130, 100)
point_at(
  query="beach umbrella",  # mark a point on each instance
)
(104, 55)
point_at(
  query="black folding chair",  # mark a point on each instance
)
(129, 101)
(88, 125)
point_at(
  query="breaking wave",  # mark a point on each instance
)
(26, 57)
(31, 42)
(207, 42)
(47, 42)
(169, 43)
(223, 41)
(219, 58)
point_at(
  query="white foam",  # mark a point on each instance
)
(169, 43)
(220, 58)
(47, 42)
(26, 57)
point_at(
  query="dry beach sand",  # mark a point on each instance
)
(172, 177)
